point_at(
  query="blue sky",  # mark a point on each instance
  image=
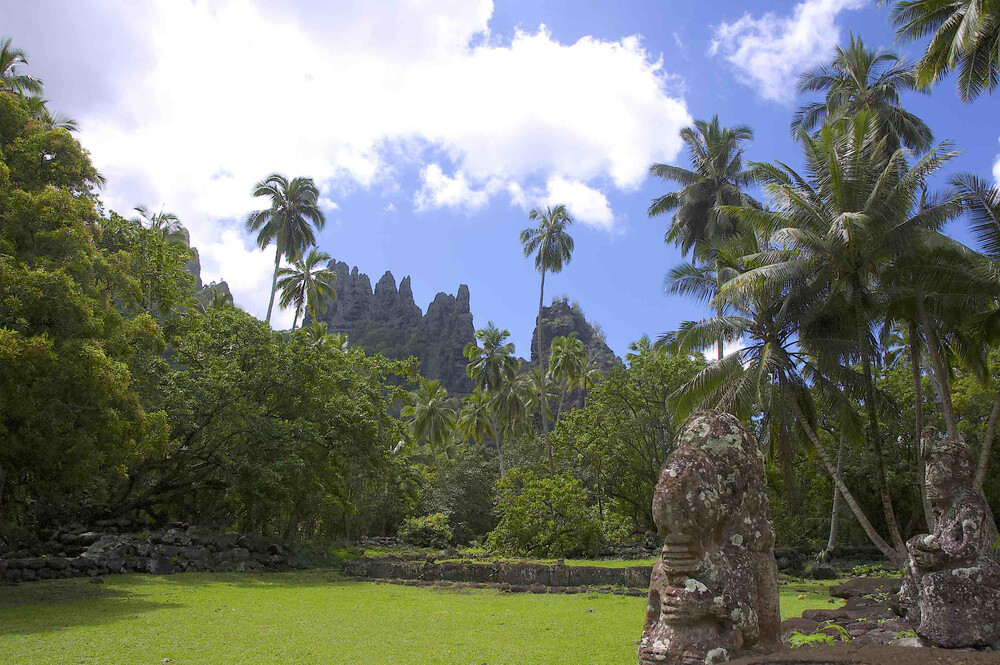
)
(433, 129)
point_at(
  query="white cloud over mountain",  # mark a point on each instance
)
(769, 52)
(190, 103)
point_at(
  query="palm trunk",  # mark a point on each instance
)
(891, 554)
(832, 540)
(939, 371)
(296, 319)
(984, 455)
(875, 439)
(274, 280)
(918, 418)
(786, 455)
(718, 310)
(437, 464)
(541, 377)
(562, 397)
(496, 442)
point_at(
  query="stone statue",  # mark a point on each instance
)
(951, 587)
(714, 590)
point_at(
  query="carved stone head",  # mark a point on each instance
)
(949, 470)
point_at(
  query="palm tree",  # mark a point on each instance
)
(220, 299)
(717, 179)
(567, 365)
(858, 79)
(552, 247)
(432, 417)
(765, 376)
(10, 80)
(965, 35)
(837, 229)
(166, 223)
(39, 111)
(307, 285)
(476, 420)
(288, 222)
(492, 367)
(982, 202)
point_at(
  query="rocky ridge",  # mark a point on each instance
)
(386, 320)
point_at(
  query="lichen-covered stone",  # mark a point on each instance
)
(713, 592)
(951, 589)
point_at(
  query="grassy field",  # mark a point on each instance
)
(314, 617)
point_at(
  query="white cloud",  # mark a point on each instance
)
(770, 52)
(390, 207)
(996, 171)
(328, 204)
(443, 191)
(347, 93)
(585, 204)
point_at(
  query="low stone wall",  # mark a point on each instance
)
(157, 552)
(514, 576)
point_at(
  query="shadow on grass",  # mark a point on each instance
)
(41, 607)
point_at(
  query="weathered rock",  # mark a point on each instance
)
(713, 591)
(951, 588)
(866, 586)
(390, 322)
(824, 571)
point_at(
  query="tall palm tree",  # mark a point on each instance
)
(432, 417)
(288, 222)
(567, 365)
(10, 79)
(552, 247)
(768, 375)
(838, 227)
(965, 35)
(307, 284)
(717, 178)
(492, 368)
(982, 202)
(860, 78)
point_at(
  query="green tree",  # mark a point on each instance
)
(11, 80)
(717, 179)
(860, 78)
(288, 222)
(839, 226)
(492, 368)
(432, 418)
(965, 36)
(38, 108)
(567, 365)
(552, 247)
(307, 285)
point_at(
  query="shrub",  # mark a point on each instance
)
(427, 531)
(544, 517)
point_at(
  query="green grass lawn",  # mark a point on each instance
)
(314, 617)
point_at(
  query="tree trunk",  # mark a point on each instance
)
(437, 464)
(939, 370)
(832, 540)
(918, 418)
(984, 455)
(496, 442)
(274, 280)
(718, 310)
(884, 547)
(3, 480)
(296, 319)
(875, 439)
(541, 377)
(785, 456)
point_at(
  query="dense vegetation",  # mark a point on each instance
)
(852, 321)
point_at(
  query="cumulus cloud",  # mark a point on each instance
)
(585, 204)
(204, 99)
(769, 52)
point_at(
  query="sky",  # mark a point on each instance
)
(433, 127)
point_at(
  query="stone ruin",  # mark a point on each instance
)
(951, 586)
(713, 594)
